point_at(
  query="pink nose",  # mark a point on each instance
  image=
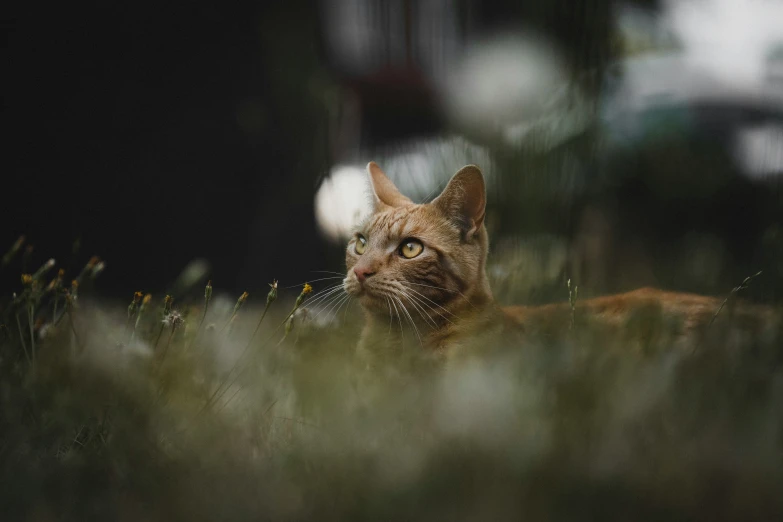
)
(362, 273)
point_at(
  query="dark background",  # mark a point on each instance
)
(158, 134)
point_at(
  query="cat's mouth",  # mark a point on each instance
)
(369, 296)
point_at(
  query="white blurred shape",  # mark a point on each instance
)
(730, 39)
(503, 81)
(759, 150)
(487, 403)
(365, 37)
(195, 271)
(642, 31)
(342, 202)
(422, 169)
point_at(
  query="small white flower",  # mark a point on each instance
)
(173, 319)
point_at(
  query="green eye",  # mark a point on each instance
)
(361, 245)
(411, 248)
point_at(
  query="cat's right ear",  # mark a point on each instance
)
(383, 189)
(464, 200)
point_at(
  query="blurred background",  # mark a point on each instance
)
(625, 143)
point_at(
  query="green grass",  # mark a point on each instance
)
(228, 418)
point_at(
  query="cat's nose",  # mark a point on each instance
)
(362, 274)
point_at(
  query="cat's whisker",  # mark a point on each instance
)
(341, 274)
(324, 294)
(391, 316)
(400, 288)
(438, 188)
(428, 307)
(298, 285)
(330, 287)
(445, 290)
(425, 316)
(423, 313)
(338, 304)
(329, 303)
(422, 296)
(397, 313)
(410, 319)
(347, 306)
(431, 309)
(344, 302)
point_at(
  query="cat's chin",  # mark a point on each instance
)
(374, 303)
(369, 300)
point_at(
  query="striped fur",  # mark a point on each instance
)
(441, 298)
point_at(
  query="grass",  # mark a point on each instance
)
(271, 418)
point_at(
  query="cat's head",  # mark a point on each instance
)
(427, 256)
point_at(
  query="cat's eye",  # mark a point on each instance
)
(361, 245)
(411, 248)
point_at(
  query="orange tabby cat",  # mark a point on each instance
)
(422, 267)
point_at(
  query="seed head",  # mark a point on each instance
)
(173, 319)
(13, 250)
(18, 244)
(44, 268)
(240, 302)
(27, 279)
(208, 291)
(97, 269)
(57, 282)
(167, 301)
(306, 289)
(133, 307)
(272, 295)
(144, 304)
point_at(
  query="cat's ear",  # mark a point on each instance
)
(464, 200)
(384, 190)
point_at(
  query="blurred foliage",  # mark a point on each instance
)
(210, 422)
(220, 412)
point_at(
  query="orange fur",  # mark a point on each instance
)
(442, 295)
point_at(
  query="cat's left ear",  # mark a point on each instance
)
(465, 200)
(384, 190)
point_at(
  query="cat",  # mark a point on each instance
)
(420, 270)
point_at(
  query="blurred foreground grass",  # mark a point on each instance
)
(162, 412)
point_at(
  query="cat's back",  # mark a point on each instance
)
(684, 312)
(617, 307)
